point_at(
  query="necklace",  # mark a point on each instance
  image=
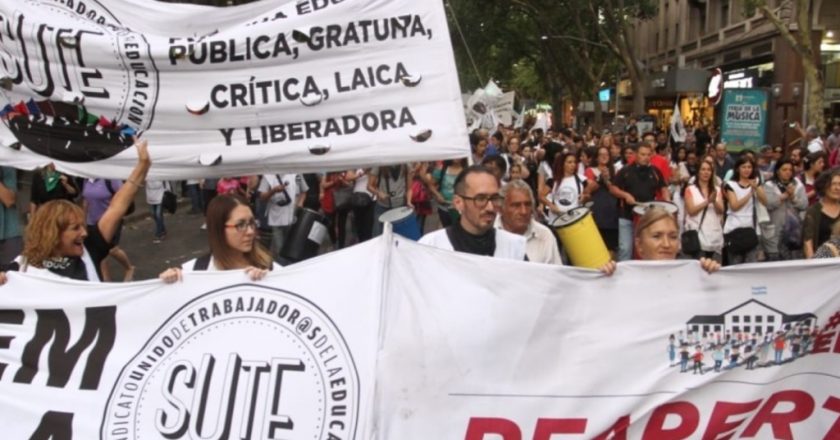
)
(57, 263)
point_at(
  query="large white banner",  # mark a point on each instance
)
(395, 340)
(271, 86)
(214, 357)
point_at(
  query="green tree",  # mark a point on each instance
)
(794, 19)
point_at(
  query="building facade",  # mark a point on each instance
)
(691, 36)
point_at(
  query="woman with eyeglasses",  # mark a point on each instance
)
(232, 235)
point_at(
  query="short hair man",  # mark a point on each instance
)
(517, 218)
(636, 183)
(477, 199)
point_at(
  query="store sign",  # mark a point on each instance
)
(604, 95)
(744, 119)
(741, 79)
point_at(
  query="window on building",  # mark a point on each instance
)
(747, 318)
(758, 319)
(770, 329)
(736, 329)
(666, 42)
(656, 43)
(771, 318)
(736, 318)
(705, 329)
(717, 328)
(724, 13)
(695, 328)
(677, 34)
(746, 329)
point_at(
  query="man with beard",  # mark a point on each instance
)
(636, 183)
(477, 200)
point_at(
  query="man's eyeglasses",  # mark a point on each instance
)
(243, 225)
(481, 200)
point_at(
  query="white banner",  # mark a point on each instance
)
(459, 347)
(214, 357)
(267, 87)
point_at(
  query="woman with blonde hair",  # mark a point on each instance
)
(658, 238)
(57, 241)
(232, 236)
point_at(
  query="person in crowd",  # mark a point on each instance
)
(517, 217)
(813, 165)
(599, 177)
(567, 187)
(11, 237)
(662, 161)
(96, 196)
(208, 191)
(832, 145)
(479, 150)
(820, 217)
(657, 237)
(312, 197)
(444, 177)
(477, 200)
(688, 169)
(766, 163)
(831, 248)
(362, 206)
(796, 156)
(497, 165)
(56, 241)
(193, 190)
(786, 203)
(813, 141)
(391, 185)
(703, 211)
(232, 237)
(154, 198)
(636, 183)
(336, 215)
(628, 156)
(49, 184)
(723, 163)
(283, 194)
(740, 227)
(424, 191)
(233, 185)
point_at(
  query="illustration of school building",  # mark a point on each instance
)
(750, 317)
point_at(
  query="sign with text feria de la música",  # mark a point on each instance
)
(273, 85)
(744, 119)
(419, 343)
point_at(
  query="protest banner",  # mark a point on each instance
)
(419, 343)
(272, 86)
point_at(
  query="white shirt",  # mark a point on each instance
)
(710, 232)
(508, 246)
(565, 195)
(742, 218)
(282, 215)
(154, 191)
(541, 245)
(815, 145)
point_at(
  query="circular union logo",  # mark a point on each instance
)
(244, 362)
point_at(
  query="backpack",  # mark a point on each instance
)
(792, 229)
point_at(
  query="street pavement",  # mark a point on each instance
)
(185, 240)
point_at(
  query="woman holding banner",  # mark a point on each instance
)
(658, 238)
(232, 236)
(57, 241)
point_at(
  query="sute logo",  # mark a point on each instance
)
(245, 362)
(188, 415)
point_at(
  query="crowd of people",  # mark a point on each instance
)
(728, 207)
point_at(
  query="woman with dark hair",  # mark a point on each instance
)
(566, 191)
(232, 236)
(813, 164)
(820, 217)
(740, 228)
(599, 178)
(57, 242)
(703, 210)
(786, 200)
